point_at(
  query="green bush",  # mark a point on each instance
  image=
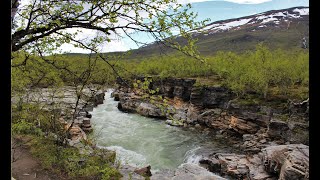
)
(24, 127)
(259, 71)
(68, 160)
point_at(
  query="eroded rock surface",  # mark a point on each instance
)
(282, 162)
(289, 161)
(186, 172)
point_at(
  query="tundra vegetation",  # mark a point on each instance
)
(39, 29)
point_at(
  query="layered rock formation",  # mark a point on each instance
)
(217, 108)
(262, 132)
(283, 162)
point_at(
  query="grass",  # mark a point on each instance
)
(68, 160)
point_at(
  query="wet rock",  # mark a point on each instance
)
(186, 172)
(88, 115)
(115, 95)
(163, 174)
(194, 172)
(128, 105)
(88, 107)
(144, 171)
(212, 165)
(150, 110)
(98, 98)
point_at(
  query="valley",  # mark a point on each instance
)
(237, 110)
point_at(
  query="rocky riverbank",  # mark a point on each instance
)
(273, 140)
(272, 147)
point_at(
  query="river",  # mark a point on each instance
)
(141, 141)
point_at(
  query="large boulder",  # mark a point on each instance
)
(98, 98)
(128, 105)
(278, 129)
(299, 133)
(145, 171)
(235, 166)
(186, 172)
(289, 161)
(150, 110)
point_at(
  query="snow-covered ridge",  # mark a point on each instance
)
(262, 20)
(228, 25)
(303, 11)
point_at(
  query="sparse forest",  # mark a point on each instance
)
(39, 29)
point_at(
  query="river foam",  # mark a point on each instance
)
(142, 141)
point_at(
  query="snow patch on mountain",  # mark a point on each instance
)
(226, 26)
(303, 12)
(260, 20)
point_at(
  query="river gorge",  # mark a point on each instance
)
(214, 136)
(141, 141)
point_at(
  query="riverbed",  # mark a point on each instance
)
(141, 141)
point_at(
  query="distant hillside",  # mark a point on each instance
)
(285, 28)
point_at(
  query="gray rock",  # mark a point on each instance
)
(278, 129)
(150, 110)
(98, 98)
(193, 171)
(180, 115)
(186, 172)
(299, 132)
(236, 166)
(289, 161)
(129, 174)
(248, 137)
(86, 121)
(212, 164)
(164, 174)
(215, 111)
(145, 171)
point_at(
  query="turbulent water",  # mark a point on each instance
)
(141, 141)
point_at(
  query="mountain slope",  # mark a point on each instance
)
(285, 29)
